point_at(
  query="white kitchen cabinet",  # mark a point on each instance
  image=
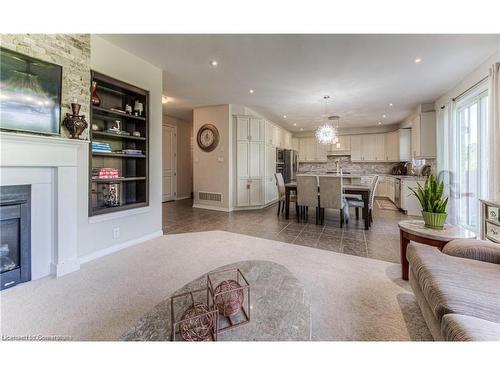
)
(295, 144)
(287, 140)
(391, 188)
(321, 151)
(276, 136)
(356, 152)
(423, 135)
(249, 129)
(307, 151)
(379, 139)
(269, 132)
(343, 146)
(381, 190)
(271, 193)
(404, 136)
(410, 202)
(250, 160)
(392, 146)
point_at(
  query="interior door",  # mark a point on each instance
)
(169, 140)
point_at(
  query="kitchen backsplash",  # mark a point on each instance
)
(348, 166)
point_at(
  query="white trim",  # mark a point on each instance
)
(113, 249)
(247, 208)
(119, 214)
(215, 208)
(174, 176)
(184, 197)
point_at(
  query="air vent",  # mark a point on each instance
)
(207, 196)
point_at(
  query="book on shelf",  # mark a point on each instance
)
(132, 152)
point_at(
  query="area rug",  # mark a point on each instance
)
(351, 298)
(385, 204)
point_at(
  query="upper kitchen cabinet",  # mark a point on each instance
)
(398, 145)
(249, 129)
(343, 147)
(312, 151)
(287, 140)
(295, 144)
(423, 135)
(368, 147)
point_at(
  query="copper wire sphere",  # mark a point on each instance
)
(197, 328)
(227, 300)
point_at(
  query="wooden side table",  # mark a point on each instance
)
(415, 230)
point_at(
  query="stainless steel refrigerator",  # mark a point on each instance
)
(291, 165)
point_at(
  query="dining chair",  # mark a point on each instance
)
(331, 196)
(280, 183)
(307, 196)
(358, 203)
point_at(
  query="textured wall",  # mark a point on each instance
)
(347, 166)
(72, 52)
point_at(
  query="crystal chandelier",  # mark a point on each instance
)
(327, 133)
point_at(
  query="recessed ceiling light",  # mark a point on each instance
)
(213, 62)
(380, 123)
(390, 104)
(301, 129)
(284, 116)
(418, 60)
(294, 124)
(384, 116)
(164, 99)
(251, 91)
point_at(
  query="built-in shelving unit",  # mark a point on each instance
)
(131, 188)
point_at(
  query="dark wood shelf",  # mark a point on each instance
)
(118, 179)
(123, 207)
(113, 135)
(131, 190)
(116, 113)
(117, 155)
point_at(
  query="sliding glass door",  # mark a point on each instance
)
(471, 119)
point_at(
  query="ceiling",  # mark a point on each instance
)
(290, 74)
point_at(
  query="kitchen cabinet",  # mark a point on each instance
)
(256, 142)
(312, 151)
(343, 146)
(381, 190)
(423, 135)
(287, 143)
(409, 202)
(271, 192)
(398, 145)
(364, 147)
(295, 144)
(249, 129)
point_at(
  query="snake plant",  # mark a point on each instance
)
(430, 195)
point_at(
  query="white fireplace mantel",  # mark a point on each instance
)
(21, 153)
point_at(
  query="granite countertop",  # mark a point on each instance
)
(357, 175)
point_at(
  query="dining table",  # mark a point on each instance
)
(362, 190)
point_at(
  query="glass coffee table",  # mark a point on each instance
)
(415, 230)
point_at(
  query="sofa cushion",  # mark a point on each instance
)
(485, 251)
(456, 285)
(455, 327)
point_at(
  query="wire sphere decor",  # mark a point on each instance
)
(228, 297)
(197, 323)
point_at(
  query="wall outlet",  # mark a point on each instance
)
(116, 233)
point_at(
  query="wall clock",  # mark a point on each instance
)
(208, 137)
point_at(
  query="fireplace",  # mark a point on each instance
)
(15, 235)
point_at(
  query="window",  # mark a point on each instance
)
(471, 119)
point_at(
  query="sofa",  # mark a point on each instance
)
(458, 289)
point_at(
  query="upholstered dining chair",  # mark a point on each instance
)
(358, 203)
(307, 196)
(331, 196)
(280, 184)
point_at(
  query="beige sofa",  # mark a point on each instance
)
(458, 289)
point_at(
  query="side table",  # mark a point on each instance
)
(415, 230)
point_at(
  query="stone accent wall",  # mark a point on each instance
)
(72, 52)
(347, 166)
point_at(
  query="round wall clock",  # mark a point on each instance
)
(208, 137)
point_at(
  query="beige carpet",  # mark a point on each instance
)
(352, 298)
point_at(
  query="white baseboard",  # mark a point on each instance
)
(184, 197)
(121, 246)
(215, 208)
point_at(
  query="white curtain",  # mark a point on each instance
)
(447, 161)
(493, 132)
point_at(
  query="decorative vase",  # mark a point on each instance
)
(75, 123)
(96, 100)
(434, 220)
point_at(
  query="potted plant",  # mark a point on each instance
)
(430, 196)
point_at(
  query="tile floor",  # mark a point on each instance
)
(380, 242)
